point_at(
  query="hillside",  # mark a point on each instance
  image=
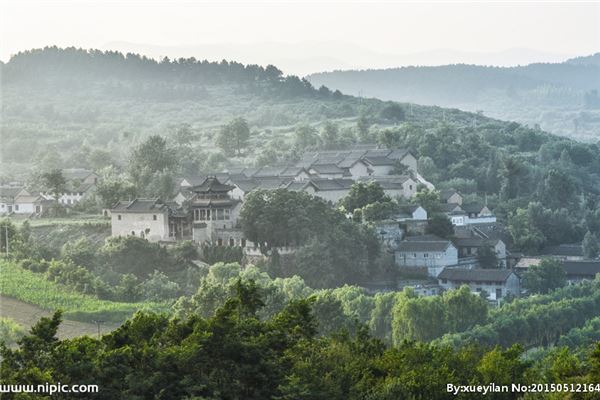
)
(72, 107)
(562, 97)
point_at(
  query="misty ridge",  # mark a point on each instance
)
(560, 97)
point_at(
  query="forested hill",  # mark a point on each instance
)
(55, 100)
(561, 97)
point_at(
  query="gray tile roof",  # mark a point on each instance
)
(423, 243)
(582, 268)
(211, 185)
(379, 160)
(139, 206)
(327, 169)
(475, 275)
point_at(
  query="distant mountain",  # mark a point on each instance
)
(561, 97)
(593, 59)
(306, 57)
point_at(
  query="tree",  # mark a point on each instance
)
(548, 275)
(362, 194)
(389, 138)
(149, 158)
(440, 225)
(487, 257)
(330, 135)
(113, 187)
(393, 112)
(305, 136)
(363, 125)
(591, 246)
(55, 183)
(464, 309)
(428, 199)
(233, 137)
(524, 233)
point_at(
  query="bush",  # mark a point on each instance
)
(158, 287)
(34, 265)
(10, 331)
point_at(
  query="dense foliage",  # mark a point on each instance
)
(233, 354)
(330, 250)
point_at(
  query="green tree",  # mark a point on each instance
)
(151, 157)
(393, 112)
(487, 257)
(330, 135)
(55, 183)
(545, 277)
(591, 246)
(362, 194)
(440, 225)
(233, 137)
(305, 136)
(428, 199)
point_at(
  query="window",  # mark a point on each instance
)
(119, 217)
(154, 217)
(426, 255)
(16, 207)
(243, 242)
(498, 293)
(231, 242)
(219, 242)
(444, 281)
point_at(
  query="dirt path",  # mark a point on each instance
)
(27, 315)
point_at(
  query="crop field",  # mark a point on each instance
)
(33, 289)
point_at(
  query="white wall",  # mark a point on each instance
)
(138, 223)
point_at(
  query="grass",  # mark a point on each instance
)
(34, 289)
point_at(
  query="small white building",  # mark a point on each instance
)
(426, 251)
(145, 218)
(497, 283)
(411, 213)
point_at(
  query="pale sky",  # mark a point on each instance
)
(309, 36)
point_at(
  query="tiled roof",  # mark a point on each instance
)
(582, 268)
(472, 207)
(379, 160)
(567, 249)
(327, 169)
(474, 241)
(9, 192)
(407, 246)
(139, 206)
(445, 194)
(475, 275)
(332, 184)
(449, 207)
(426, 242)
(211, 185)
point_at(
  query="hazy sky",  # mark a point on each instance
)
(305, 36)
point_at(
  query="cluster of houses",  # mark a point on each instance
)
(206, 209)
(16, 199)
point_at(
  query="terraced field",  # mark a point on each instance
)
(27, 315)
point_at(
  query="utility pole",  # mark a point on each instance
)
(6, 238)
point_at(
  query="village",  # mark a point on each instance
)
(206, 210)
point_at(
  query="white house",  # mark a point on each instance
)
(30, 204)
(7, 198)
(146, 218)
(497, 283)
(411, 213)
(426, 251)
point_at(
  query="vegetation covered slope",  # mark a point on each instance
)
(562, 97)
(76, 107)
